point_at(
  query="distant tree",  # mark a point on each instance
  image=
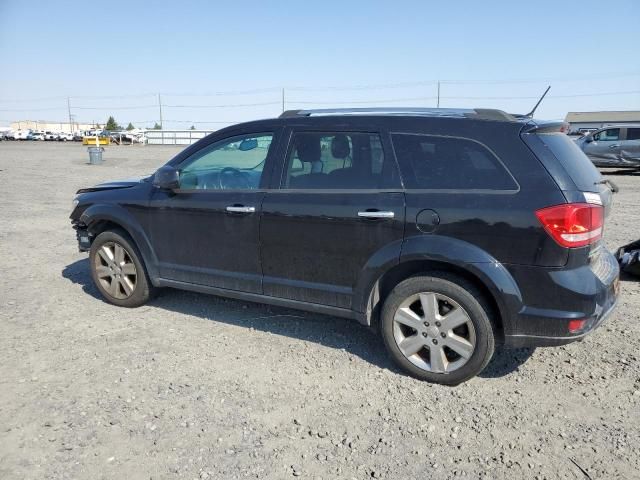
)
(193, 127)
(130, 126)
(157, 126)
(112, 124)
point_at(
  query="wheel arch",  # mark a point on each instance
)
(100, 218)
(424, 254)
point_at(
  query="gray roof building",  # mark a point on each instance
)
(585, 121)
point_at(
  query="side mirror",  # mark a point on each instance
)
(166, 178)
(248, 144)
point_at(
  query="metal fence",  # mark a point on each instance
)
(175, 137)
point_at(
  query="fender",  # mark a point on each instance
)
(458, 253)
(121, 216)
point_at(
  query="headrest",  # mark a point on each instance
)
(308, 147)
(340, 146)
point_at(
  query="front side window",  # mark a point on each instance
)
(609, 135)
(449, 163)
(340, 160)
(230, 164)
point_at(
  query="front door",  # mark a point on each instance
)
(206, 232)
(339, 203)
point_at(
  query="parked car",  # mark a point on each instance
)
(50, 136)
(22, 134)
(449, 231)
(65, 137)
(37, 136)
(613, 146)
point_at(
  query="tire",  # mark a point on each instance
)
(459, 353)
(132, 287)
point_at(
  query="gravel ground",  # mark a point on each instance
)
(194, 386)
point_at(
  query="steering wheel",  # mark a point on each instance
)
(228, 173)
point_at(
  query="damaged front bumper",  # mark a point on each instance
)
(83, 236)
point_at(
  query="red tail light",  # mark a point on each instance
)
(573, 224)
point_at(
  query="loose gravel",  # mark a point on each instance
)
(198, 387)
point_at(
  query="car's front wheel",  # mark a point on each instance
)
(118, 270)
(438, 328)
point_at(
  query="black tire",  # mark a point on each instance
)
(469, 298)
(143, 289)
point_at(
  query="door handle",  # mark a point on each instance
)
(240, 209)
(614, 146)
(376, 214)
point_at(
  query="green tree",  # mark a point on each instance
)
(157, 126)
(193, 127)
(112, 124)
(130, 126)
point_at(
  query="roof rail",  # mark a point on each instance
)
(477, 113)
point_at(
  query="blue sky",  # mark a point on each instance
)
(322, 53)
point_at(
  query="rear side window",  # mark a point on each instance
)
(449, 163)
(583, 173)
(338, 160)
(633, 133)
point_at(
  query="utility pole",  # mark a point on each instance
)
(69, 109)
(438, 104)
(283, 100)
(160, 108)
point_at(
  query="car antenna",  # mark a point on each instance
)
(530, 114)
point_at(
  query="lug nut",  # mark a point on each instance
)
(435, 342)
(426, 324)
(438, 324)
(424, 334)
(443, 335)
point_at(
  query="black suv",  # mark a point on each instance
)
(450, 231)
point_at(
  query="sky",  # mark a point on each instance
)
(215, 63)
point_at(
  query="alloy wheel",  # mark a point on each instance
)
(434, 332)
(115, 270)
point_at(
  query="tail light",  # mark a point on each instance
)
(573, 224)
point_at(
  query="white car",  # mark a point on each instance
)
(49, 136)
(65, 137)
(37, 136)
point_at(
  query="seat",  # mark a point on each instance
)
(308, 151)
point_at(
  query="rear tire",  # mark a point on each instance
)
(438, 328)
(118, 270)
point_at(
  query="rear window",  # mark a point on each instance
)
(449, 163)
(583, 173)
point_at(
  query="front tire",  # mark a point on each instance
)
(438, 328)
(118, 271)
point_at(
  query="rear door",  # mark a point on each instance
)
(630, 148)
(338, 202)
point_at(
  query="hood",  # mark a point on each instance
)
(115, 184)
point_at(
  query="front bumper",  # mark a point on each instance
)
(83, 236)
(588, 293)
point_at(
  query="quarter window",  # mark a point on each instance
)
(233, 163)
(338, 161)
(448, 163)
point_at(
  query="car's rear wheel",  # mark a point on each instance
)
(438, 328)
(118, 270)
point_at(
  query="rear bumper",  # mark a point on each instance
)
(554, 298)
